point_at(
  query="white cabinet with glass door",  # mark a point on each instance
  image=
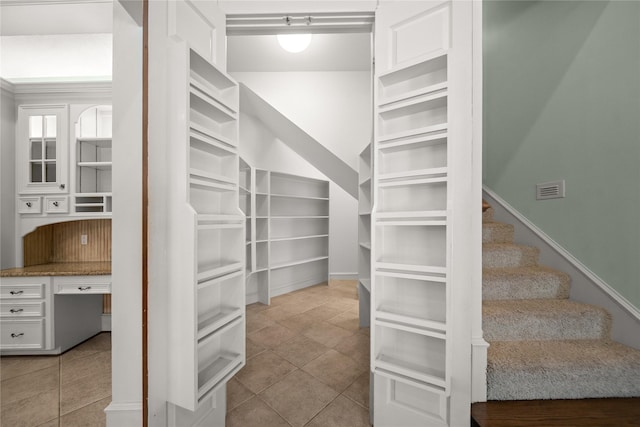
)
(42, 149)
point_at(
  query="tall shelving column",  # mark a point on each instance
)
(246, 202)
(365, 200)
(206, 231)
(261, 227)
(298, 232)
(410, 288)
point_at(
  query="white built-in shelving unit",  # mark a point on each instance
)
(410, 286)
(289, 233)
(365, 200)
(93, 161)
(206, 231)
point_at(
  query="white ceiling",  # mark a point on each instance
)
(44, 17)
(327, 52)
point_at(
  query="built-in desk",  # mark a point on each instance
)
(49, 308)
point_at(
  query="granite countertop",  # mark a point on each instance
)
(60, 269)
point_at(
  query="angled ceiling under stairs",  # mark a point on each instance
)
(299, 141)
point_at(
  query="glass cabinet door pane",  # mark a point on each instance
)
(36, 150)
(50, 172)
(35, 127)
(50, 126)
(36, 172)
(51, 149)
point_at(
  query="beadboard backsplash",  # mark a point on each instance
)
(60, 242)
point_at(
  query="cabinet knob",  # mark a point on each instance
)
(28, 204)
(17, 335)
(84, 288)
(62, 186)
(16, 292)
(55, 203)
(16, 310)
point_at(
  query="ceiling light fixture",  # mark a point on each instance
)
(295, 43)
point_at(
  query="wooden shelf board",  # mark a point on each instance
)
(412, 133)
(284, 239)
(412, 181)
(96, 165)
(212, 138)
(366, 245)
(410, 371)
(421, 97)
(216, 320)
(293, 196)
(400, 321)
(432, 172)
(210, 375)
(214, 270)
(409, 268)
(366, 283)
(385, 102)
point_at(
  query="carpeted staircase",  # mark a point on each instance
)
(543, 345)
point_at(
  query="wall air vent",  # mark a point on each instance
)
(550, 190)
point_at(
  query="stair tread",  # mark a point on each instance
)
(543, 307)
(497, 232)
(508, 255)
(556, 369)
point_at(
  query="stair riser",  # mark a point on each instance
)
(497, 233)
(525, 286)
(509, 257)
(522, 326)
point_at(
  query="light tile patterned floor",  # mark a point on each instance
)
(67, 390)
(307, 362)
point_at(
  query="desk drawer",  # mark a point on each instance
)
(21, 291)
(22, 309)
(82, 285)
(22, 334)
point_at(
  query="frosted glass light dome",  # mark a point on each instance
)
(294, 43)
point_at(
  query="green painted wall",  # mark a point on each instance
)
(562, 101)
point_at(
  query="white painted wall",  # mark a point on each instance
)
(333, 107)
(7, 177)
(56, 57)
(261, 149)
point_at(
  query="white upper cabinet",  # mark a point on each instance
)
(42, 149)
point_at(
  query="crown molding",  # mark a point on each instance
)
(62, 91)
(7, 88)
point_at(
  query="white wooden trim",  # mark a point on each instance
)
(343, 276)
(124, 414)
(621, 301)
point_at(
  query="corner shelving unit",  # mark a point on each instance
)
(206, 231)
(410, 287)
(93, 161)
(299, 232)
(365, 198)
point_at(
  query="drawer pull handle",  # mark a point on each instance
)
(55, 203)
(16, 292)
(84, 288)
(16, 310)
(17, 335)
(28, 204)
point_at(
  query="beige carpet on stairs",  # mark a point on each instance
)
(543, 345)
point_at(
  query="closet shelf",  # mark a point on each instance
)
(210, 107)
(411, 371)
(434, 89)
(437, 97)
(298, 216)
(366, 245)
(418, 173)
(243, 190)
(411, 324)
(285, 239)
(199, 181)
(427, 215)
(99, 141)
(409, 268)
(105, 194)
(216, 320)
(219, 226)
(429, 139)
(211, 218)
(412, 133)
(412, 222)
(213, 373)
(96, 165)
(434, 277)
(210, 91)
(293, 196)
(217, 280)
(407, 182)
(213, 139)
(403, 67)
(298, 262)
(366, 182)
(217, 269)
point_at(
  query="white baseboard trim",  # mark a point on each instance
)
(251, 298)
(343, 276)
(106, 323)
(297, 286)
(124, 414)
(479, 348)
(606, 288)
